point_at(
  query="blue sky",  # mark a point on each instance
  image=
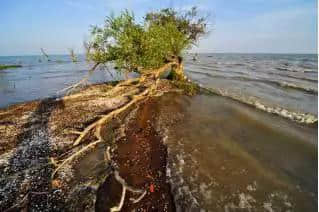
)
(247, 26)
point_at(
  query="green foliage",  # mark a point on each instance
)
(188, 23)
(138, 47)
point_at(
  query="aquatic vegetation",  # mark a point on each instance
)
(190, 88)
(2, 67)
(73, 56)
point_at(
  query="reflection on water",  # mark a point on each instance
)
(225, 156)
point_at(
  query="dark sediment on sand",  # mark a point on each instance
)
(141, 158)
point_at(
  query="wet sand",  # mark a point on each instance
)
(141, 158)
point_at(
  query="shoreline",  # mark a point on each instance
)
(36, 137)
(298, 117)
(308, 119)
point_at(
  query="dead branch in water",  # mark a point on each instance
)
(45, 54)
(73, 56)
(81, 82)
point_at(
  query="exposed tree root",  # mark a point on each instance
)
(150, 85)
(122, 181)
(85, 132)
(72, 157)
(53, 161)
(124, 188)
(72, 132)
(119, 207)
(139, 198)
(107, 155)
(98, 124)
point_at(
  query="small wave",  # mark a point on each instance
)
(218, 70)
(201, 73)
(295, 70)
(291, 85)
(237, 64)
(265, 81)
(216, 76)
(58, 76)
(299, 117)
(308, 71)
(285, 69)
(293, 77)
(307, 66)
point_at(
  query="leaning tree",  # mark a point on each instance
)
(152, 48)
(155, 44)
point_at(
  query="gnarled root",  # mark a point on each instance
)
(98, 124)
(139, 198)
(124, 188)
(72, 157)
(119, 207)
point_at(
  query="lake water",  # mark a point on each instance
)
(223, 155)
(271, 80)
(39, 78)
(278, 83)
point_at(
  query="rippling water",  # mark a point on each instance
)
(273, 80)
(269, 81)
(226, 156)
(40, 79)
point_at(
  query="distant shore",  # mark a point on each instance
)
(2, 67)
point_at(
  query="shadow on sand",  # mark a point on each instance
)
(25, 182)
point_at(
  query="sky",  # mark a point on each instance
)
(239, 26)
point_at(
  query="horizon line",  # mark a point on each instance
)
(20, 55)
